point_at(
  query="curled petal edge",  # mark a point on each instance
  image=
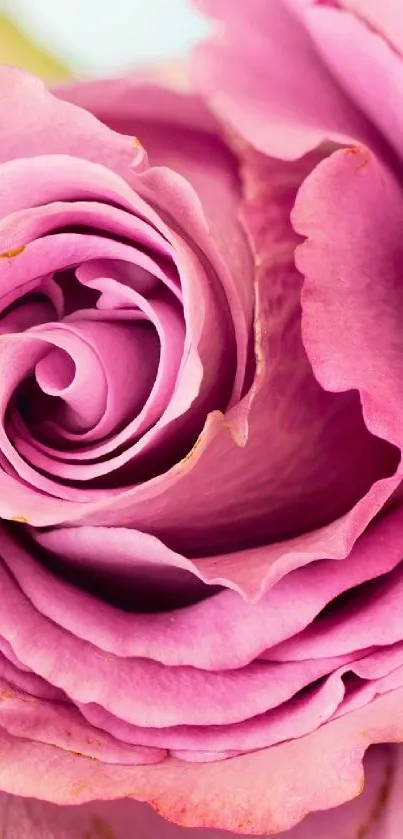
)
(264, 792)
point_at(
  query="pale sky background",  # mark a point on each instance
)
(107, 36)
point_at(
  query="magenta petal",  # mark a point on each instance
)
(164, 696)
(293, 718)
(38, 126)
(375, 618)
(172, 194)
(123, 819)
(358, 285)
(18, 676)
(118, 390)
(264, 77)
(355, 53)
(242, 800)
(181, 638)
(381, 16)
(60, 724)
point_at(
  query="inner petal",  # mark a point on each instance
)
(96, 348)
(55, 372)
(127, 274)
(113, 375)
(131, 312)
(66, 371)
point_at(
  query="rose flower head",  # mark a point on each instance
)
(200, 439)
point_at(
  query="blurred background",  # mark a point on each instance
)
(61, 38)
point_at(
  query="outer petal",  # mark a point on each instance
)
(260, 793)
(372, 619)
(264, 76)
(365, 64)
(385, 17)
(351, 211)
(378, 805)
(37, 123)
(238, 631)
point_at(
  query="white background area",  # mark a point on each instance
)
(108, 36)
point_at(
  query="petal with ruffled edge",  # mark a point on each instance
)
(260, 793)
(351, 211)
(46, 606)
(377, 807)
(104, 560)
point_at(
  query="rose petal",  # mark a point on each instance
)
(378, 803)
(263, 75)
(370, 618)
(93, 348)
(354, 53)
(277, 683)
(238, 631)
(60, 724)
(22, 678)
(37, 126)
(164, 696)
(381, 17)
(294, 718)
(242, 801)
(366, 274)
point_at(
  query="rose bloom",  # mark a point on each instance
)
(201, 562)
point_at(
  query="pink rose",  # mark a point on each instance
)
(188, 466)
